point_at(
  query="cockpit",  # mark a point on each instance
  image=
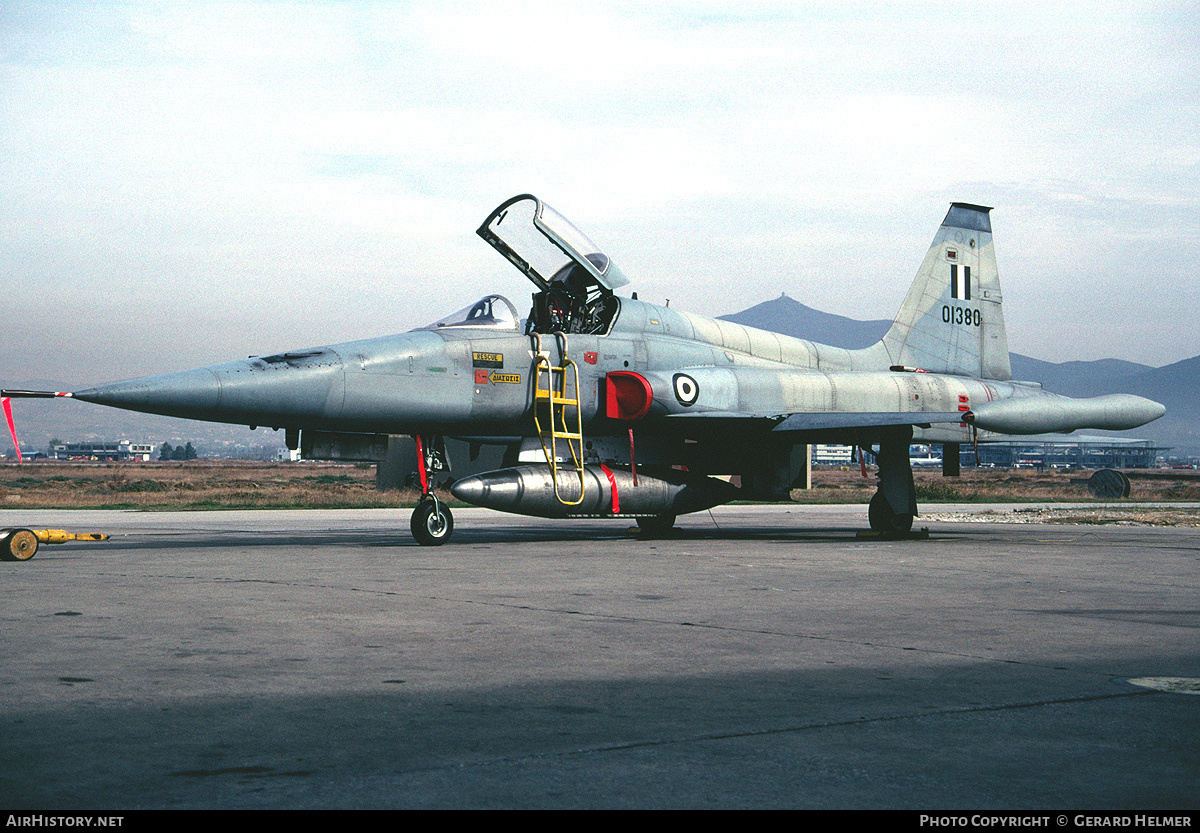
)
(575, 280)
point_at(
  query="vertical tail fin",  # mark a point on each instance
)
(952, 320)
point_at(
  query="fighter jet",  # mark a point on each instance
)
(608, 406)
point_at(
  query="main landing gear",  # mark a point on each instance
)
(432, 523)
(894, 505)
(659, 526)
(886, 520)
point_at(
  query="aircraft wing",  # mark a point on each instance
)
(828, 420)
(825, 420)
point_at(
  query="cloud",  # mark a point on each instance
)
(276, 175)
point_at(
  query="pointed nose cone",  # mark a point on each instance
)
(192, 394)
(1122, 411)
(285, 389)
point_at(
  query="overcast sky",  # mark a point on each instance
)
(187, 183)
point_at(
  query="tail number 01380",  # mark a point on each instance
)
(962, 315)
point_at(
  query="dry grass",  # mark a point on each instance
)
(991, 486)
(220, 484)
(196, 484)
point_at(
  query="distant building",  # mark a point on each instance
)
(925, 456)
(1045, 450)
(1061, 451)
(832, 455)
(119, 450)
(843, 455)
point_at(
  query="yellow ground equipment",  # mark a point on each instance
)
(22, 544)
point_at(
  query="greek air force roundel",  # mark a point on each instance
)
(686, 389)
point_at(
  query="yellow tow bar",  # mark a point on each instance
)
(22, 544)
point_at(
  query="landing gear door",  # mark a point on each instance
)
(541, 242)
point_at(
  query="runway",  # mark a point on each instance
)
(765, 657)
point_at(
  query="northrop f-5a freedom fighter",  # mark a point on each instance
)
(608, 406)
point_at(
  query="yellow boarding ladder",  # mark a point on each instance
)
(554, 397)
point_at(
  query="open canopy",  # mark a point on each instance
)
(544, 245)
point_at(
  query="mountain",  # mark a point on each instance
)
(1073, 378)
(790, 317)
(1176, 385)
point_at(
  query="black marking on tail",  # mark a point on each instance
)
(960, 291)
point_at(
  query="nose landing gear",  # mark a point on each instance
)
(432, 523)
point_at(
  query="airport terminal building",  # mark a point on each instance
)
(1064, 451)
(117, 450)
(1045, 450)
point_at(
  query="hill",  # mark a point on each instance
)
(790, 317)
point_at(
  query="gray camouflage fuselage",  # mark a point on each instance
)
(425, 381)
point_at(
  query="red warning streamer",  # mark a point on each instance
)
(612, 482)
(12, 428)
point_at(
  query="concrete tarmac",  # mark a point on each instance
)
(765, 657)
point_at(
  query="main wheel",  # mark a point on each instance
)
(656, 527)
(432, 523)
(884, 519)
(18, 545)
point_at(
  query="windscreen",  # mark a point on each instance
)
(493, 312)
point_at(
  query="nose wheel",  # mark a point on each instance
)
(432, 522)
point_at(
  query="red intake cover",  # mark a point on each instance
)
(627, 396)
